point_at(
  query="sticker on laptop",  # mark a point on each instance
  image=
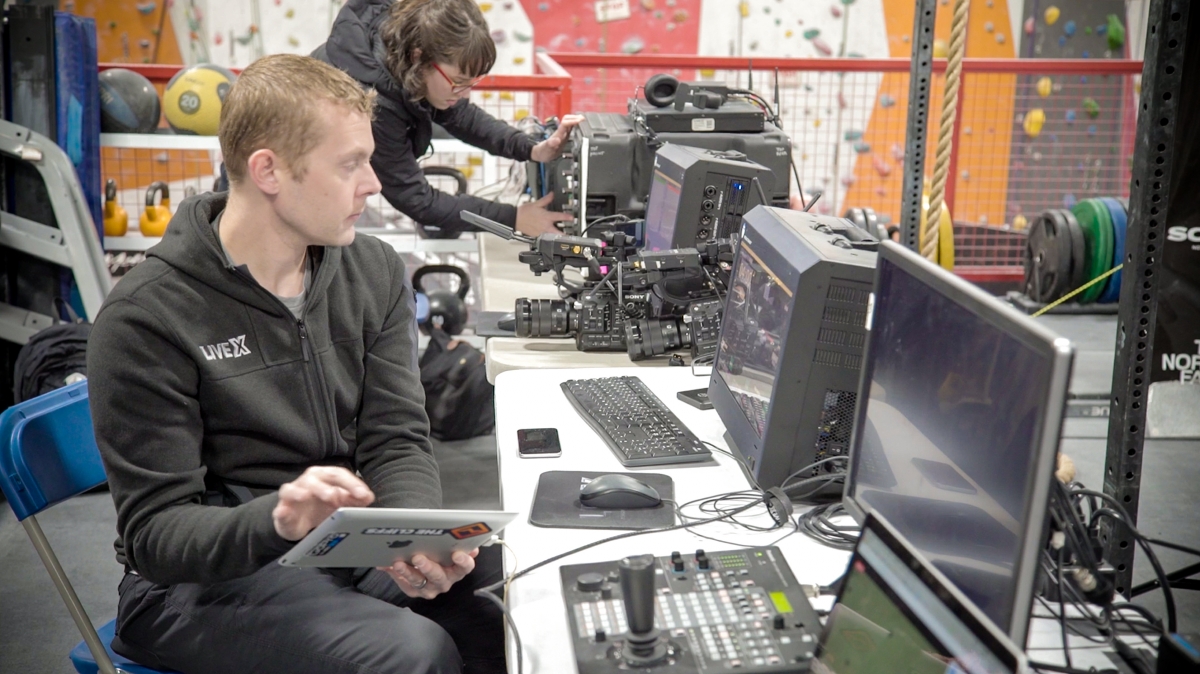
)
(327, 544)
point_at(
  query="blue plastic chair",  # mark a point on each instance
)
(48, 454)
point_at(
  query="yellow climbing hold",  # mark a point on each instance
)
(816, 123)
(1020, 222)
(485, 6)
(506, 95)
(940, 49)
(744, 7)
(787, 33)
(518, 60)
(475, 160)
(1034, 120)
(708, 74)
(1052, 15)
(1044, 86)
(467, 171)
(487, 95)
(520, 114)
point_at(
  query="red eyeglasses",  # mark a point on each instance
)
(455, 87)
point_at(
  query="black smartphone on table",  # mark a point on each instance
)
(538, 443)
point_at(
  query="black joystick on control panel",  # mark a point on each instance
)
(716, 613)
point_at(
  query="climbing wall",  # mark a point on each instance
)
(130, 31)
(1056, 154)
(984, 116)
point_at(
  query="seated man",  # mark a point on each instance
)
(243, 377)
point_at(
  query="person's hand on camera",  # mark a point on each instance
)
(426, 578)
(551, 148)
(316, 494)
(534, 219)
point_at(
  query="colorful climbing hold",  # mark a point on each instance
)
(671, 27)
(1116, 32)
(293, 41)
(881, 166)
(897, 152)
(1086, 54)
(633, 45)
(1069, 28)
(862, 148)
(581, 42)
(648, 5)
(744, 8)
(1020, 222)
(708, 73)
(518, 116)
(506, 95)
(1051, 15)
(543, 7)
(852, 135)
(1070, 116)
(989, 26)
(886, 101)
(1034, 120)
(291, 13)
(811, 33)
(1069, 200)
(1029, 25)
(1000, 38)
(499, 36)
(518, 60)
(679, 16)
(835, 11)
(1091, 107)
(1091, 129)
(817, 123)
(485, 6)
(940, 49)
(821, 46)
(1044, 86)
(521, 37)
(1062, 40)
(787, 33)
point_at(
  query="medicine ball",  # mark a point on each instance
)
(660, 90)
(193, 99)
(128, 102)
(447, 310)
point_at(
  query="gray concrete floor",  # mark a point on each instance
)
(36, 632)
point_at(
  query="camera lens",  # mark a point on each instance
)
(542, 318)
(649, 337)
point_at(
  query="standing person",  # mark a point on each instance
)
(257, 372)
(423, 57)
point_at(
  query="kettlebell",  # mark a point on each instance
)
(116, 219)
(155, 218)
(447, 310)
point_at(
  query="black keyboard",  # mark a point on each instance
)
(634, 423)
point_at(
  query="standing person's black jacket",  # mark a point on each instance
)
(403, 127)
(200, 378)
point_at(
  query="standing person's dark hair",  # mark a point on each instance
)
(424, 57)
(418, 33)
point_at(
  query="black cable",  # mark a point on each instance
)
(1047, 667)
(811, 466)
(1062, 611)
(1174, 546)
(817, 524)
(1168, 595)
(512, 625)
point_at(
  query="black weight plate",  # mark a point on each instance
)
(1048, 258)
(1078, 250)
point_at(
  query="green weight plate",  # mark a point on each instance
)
(1078, 250)
(1093, 216)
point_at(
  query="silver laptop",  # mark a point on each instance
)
(372, 537)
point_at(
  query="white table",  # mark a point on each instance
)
(532, 399)
(503, 280)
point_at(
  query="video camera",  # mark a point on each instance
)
(643, 302)
(607, 164)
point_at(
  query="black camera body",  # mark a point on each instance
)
(644, 303)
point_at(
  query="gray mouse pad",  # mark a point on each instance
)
(556, 503)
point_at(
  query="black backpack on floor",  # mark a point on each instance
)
(458, 397)
(50, 356)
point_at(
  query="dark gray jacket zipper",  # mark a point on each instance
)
(318, 395)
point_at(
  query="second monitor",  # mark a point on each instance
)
(698, 195)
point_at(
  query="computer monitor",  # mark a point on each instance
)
(955, 438)
(896, 613)
(788, 357)
(698, 195)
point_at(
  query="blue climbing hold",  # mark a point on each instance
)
(1069, 28)
(1102, 29)
(1068, 200)
(1086, 55)
(1091, 129)
(1070, 116)
(1062, 40)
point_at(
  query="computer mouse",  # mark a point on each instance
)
(619, 492)
(507, 322)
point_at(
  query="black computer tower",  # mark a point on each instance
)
(796, 405)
